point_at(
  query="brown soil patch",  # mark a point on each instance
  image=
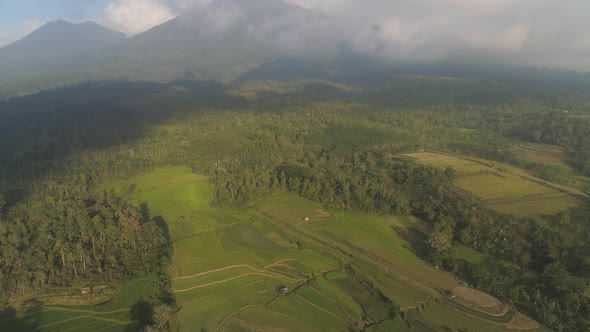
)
(480, 301)
(540, 153)
(522, 322)
(480, 298)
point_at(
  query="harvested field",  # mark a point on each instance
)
(463, 166)
(479, 301)
(504, 188)
(522, 322)
(516, 195)
(539, 153)
(477, 297)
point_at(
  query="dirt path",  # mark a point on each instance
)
(274, 276)
(336, 303)
(85, 311)
(116, 321)
(237, 266)
(281, 262)
(235, 313)
(322, 309)
(231, 267)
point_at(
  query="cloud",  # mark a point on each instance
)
(19, 30)
(533, 32)
(135, 16)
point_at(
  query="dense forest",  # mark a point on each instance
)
(58, 228)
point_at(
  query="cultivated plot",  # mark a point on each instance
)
(463, 166)
(504, 188)
(285, 264)
(540, 153)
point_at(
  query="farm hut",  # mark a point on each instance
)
(306, 219)
(450, 294)
(282, 290)
(85, 290)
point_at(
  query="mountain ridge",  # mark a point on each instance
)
(60, 36)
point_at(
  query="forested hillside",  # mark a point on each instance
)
(255, 140)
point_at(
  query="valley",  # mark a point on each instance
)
(339, 271)
(294, 165)
(282, 206)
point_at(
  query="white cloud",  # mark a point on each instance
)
(135, 16)
(19, 30)
(537, 32)
(505, 39)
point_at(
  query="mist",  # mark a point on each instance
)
(526, 32)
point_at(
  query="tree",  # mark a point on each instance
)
(2, 202)
(441, 238)
(163, 313)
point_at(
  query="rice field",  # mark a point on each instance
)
(504, 188)
(540, 153)
(285, 264)
(112, 315)
(462, 166)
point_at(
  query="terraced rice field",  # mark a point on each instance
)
(504, 188)
(462, 166)
(514, 195)
(540, 153)
(269, 268)
(113, 315)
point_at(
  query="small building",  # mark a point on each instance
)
(306, 219)
(282, 290)
(85, 290)
(450, 294)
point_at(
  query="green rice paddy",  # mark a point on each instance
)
(503, 188)
(284, 264)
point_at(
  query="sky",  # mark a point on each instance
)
(553, 33)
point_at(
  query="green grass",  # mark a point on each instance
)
(474, 257)
(111, 316)
(463, 166)
(227, 266)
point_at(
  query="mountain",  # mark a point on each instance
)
(221, 41)
(57, 54)
(224, 41)
(61, 37)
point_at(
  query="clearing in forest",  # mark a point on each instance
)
(540, 153)
(462, 166)
(268, 268)
(504, 188)
(517, 195)
(111, 315)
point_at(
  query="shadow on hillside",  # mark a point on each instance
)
(167, 249)
(29, 321)
(287, 69)
(416, 239)
(40, 129)
(160, 222)
(141, 315)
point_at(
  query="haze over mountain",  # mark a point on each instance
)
(61, 37)
(297, 165)
(222, 40)
(219, 41)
